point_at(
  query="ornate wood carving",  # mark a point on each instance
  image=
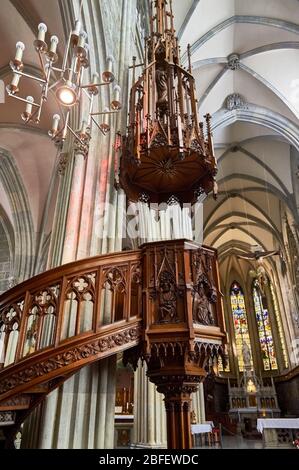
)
(38, 371)
(16, 403)
(165, 152)
(7, 418)
(204, 291)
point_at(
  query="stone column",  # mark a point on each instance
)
(198, 404)
(149, 413)
(74, 209)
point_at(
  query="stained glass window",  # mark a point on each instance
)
(279, 325)
(264, 329)
(240, 322)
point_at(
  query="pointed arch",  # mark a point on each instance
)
(239, 314)
(22, 217)
(265, 334)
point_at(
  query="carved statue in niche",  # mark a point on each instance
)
(203, 295)
(161, 83)
(167, 297)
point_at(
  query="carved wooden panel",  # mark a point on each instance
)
(204, 292)
(166, 284)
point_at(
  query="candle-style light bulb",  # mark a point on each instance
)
(20, 47)
(83, 130)
(84, 56)
(95, 79)
(17, 62)
(55, 124)
(76, 32)
(78, 26)
(105, 124)
(82, 39)
(54, 44)
(108, 76)
(13, 87)
(116, 103)
(40, 43)
(42, 29)
(28, 110)
(52, 53)
(93, 89)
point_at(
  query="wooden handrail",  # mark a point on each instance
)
(67, 302)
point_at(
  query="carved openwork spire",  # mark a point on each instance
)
(165, 153)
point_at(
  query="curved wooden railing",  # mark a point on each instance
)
(63, 319)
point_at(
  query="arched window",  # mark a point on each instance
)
(264, 328)
(240, 322)
(279, 325)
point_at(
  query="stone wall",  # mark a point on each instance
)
(4, 261)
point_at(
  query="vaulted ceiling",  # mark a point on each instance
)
(245, 58)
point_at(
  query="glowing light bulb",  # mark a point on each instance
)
(67, 95)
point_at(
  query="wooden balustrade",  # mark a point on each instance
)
(65, 303)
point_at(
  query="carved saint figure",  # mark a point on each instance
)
(161, 82)
(167, 291)
(201, 307)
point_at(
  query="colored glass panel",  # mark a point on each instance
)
(240, 322)
(264, 330)
(279, 325)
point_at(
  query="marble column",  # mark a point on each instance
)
(149, 413)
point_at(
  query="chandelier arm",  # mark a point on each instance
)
(136, 65)
(27, 75)
(85, 92)
(90, 108)
(77, 137)
(22, 99)
(95, 122)
(46, 85)
(42, 100)
(63, 69)
(42, 64)
(56, 69)
(94, 85)
(103, 112)
(54, 85)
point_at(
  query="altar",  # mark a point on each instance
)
(205, 434)
(281, 432)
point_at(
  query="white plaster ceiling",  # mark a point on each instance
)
(256, 183)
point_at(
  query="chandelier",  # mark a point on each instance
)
(67, 83)
(165, 155)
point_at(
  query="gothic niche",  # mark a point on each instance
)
(167, 298)
(204, 295)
